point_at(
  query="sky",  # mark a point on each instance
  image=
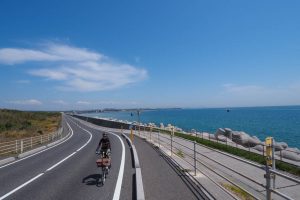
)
(62, 55)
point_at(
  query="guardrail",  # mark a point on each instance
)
(257, 149)
(190, 155)
(25, 144)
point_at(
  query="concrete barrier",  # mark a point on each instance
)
(7, 160)
(135, 157)
(140, 195)
(27, 153)
(128, 140)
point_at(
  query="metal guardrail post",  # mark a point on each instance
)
(21, 146)
(41, 139)
(31, 142)
(280, 154)
(273, 161)
(195, 167)
(16, 146)
(268, 183)
(171, 144)
(150, 133)
(158, 139)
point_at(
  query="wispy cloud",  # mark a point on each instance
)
(60, 102)
(76, 69)
(26, 102)
(83, 102)
(48, 52)
(249, 95)
(244, 89)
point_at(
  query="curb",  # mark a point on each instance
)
(127, 138)
(140, 195)
(57, 141)
(27, 153)
(135, 157)
(7, 160)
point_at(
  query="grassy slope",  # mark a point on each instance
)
(18, 124)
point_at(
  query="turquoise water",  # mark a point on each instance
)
(282, 123)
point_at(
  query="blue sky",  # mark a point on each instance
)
(58, 55)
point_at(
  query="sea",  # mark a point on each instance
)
(282, 122)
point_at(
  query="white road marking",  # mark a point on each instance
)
(55, 165)
(39, 151)
(21, 186)
(66, 158)
(117, 192)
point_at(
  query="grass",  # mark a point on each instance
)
(18, 124)
(237, 191)
(179, 153)
(237, 152)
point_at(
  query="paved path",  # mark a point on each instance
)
(43, 176)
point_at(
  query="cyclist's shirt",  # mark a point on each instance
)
(104, 143)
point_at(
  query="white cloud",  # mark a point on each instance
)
(254, 95)
(83, 103)
(26, 102)
(75, 69)
(60, 102)
(244, 89)
(49, 52)
(50, 74)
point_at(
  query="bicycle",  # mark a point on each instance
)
(105, 163)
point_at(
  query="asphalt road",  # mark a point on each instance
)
(69, 171)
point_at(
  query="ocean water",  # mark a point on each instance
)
(282, 123)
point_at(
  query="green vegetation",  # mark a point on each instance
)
(18, 124)
(179, 153)
(237, 191)
(236, 151)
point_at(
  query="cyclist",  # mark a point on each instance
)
(104, 145)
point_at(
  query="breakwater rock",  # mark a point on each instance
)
(244, 139)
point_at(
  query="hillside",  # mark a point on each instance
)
(19, 124)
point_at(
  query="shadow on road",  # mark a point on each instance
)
(93, 179)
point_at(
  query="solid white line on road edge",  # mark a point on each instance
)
(61, 161)
(55, 165)
(117, 192)
(39, 151)
(21, 186)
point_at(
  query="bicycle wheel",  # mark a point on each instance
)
(103, 175)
